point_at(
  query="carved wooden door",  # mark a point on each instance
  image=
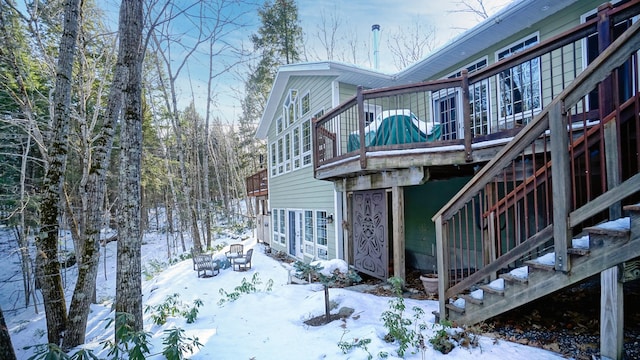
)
(370, 235)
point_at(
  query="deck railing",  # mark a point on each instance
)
(535, 196)
(258, 183)
(498, 100)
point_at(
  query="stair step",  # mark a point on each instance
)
(492, 290)
(454, 308)
(633, 207)
(471, 299)
(597, 230)
(540, 266)
(515, 279)
(578, 251)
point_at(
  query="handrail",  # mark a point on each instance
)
(552, 123)
(597, 71)
(333, 122)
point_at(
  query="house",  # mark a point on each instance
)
(459, 163)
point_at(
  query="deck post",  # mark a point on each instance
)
(605, 88)
(397, 206)
(361, 126)
(442, 256)
(466, 116)
(316, 152)
(611, 314)
(560, 184)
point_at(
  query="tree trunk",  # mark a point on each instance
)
(47, 239)
(6, 348)
(128, 276)
(94, 193)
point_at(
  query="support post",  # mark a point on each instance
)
(466, 116)
(611, 315)
(560, 184)
(397, 200)
(442, 251)
(361, 126)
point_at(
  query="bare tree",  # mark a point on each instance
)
(47, 240)
(409, 46)
(327, 33)
(475, 7)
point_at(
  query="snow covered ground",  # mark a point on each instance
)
(258, 325)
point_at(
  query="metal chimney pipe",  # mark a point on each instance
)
(376, 44)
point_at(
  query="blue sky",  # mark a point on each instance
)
(356, 18)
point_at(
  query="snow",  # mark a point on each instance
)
(477, 294)
(521, 272)
(547, 259)
(581, 243)
(497, 284)
(618, 224)
(260, 325)
(330, 266)
(459, 302)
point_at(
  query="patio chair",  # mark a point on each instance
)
(206, 266)
(243, 262)
(235, 251)
(194, 253)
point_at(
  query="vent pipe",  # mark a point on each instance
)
(376, 50)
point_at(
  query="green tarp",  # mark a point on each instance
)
(398, 127)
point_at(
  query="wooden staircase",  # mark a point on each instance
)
(606, 245)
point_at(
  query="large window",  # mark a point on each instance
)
(448, 111)
(287, 152)
(280, 156)
(308, 232)
(305, 105)
(519, 87)
(291, 149)
(321, 235)
(306, 142)
(296, 147)
(278, 222)
(274, 160)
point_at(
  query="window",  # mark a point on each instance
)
(321, 234)
(279, 126)
(280, 157)
(287, 152)
(519, 87)
(278, 226)
(306, 142)
(289, 107)
(446, 112)
(308, 232)
(305, 105)
(296, 148)
(478, 99)
(274, 160)
(282, 227)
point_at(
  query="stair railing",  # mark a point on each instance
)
(534, 195)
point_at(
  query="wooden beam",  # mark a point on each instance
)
(442, 258)
(560, 184)
(612, 163)
(384, 180)
(611, 315)
(397, 208)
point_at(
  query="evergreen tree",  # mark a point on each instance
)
(278, 42)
